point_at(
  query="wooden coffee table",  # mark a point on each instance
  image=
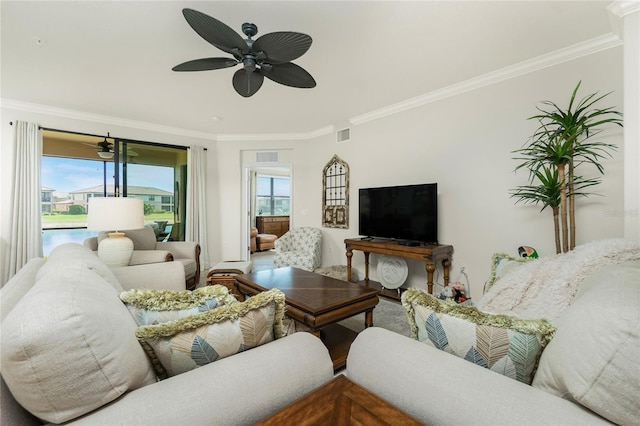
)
(318, 302)
(340, 402)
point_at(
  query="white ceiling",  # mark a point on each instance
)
(114, 58)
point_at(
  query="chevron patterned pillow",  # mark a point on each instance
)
(506, 345)
(178, 346)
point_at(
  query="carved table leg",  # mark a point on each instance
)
(349, 256)
(366, 266)
(446, 264)
(430, 267)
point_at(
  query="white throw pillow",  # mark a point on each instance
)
(69, 346)
(79, 254)
(594, 359)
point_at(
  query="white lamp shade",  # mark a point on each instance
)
(115, 214)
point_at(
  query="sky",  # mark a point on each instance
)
(66, 174)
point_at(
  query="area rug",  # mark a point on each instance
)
(387, 314)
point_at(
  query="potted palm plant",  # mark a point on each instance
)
(562, 142)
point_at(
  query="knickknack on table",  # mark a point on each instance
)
(335, 194)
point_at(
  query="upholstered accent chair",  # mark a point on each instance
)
(147, 250)
(299, 247)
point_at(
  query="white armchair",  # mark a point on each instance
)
(147, 250)
(300, 248)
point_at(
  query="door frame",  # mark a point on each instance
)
(246, 194)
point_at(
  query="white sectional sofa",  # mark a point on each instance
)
(70, 354)
(588, 374)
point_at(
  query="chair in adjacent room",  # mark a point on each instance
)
(299, 247)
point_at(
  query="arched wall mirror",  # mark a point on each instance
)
(335, 194)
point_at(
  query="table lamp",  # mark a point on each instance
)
(113, 214)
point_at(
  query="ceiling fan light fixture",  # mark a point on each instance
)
(107, 155)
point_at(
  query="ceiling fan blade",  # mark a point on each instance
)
(290, 74)
(206, 64)
(284, 46)
(247, 83)
(214, 31)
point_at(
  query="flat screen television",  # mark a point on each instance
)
(406, 213)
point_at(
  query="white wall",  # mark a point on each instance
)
(464, 143)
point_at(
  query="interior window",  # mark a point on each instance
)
(77, 167)
(272, 196)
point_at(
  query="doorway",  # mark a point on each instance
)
(267, 190)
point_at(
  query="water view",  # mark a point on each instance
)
(54, 237)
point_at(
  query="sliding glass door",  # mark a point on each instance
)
(76, 167)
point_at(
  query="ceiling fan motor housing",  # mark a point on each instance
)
(249, 29)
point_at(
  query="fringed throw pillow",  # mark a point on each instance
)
(506, 345)
(501, 264)
(191, 342)
(149, 306)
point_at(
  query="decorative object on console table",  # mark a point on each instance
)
(112, 214)
(431, 254)
(392, 272)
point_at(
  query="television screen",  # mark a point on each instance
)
(407, 213)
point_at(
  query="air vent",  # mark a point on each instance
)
(267, 157)
(343, 135)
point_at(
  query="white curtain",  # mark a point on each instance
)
(25, 238)
(196, 220)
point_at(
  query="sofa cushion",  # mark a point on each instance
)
(545, 287)
(68, 346)
(187, 343)
(503, 344)
(19, 285)
(594, 359)
(149, 306)
(501, 265)
(190, 267)
(61, 255)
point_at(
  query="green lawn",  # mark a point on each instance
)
(82, 218)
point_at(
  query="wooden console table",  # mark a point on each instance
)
(429, 254)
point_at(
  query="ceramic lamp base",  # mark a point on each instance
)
(115, 250)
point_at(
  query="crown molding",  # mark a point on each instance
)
(622, 8)
(103, 119)
(117, 121)
(570, 53)
(276, 136)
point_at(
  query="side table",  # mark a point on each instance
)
(224, 273)
(340, 402)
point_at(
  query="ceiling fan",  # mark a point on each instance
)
(268, 56)
(105, 149)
